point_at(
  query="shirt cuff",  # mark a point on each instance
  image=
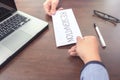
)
(93, 62)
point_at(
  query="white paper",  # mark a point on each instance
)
(66, 28)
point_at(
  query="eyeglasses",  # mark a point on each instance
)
(106, 17)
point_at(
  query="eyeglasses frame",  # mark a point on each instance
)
(97, 13)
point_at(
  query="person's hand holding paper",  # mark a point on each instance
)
(66, 28)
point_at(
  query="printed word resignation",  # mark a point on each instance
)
(66, 24)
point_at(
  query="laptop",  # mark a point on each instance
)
(17, 29)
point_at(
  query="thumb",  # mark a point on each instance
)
(79, 38)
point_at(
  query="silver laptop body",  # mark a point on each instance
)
(20, 37)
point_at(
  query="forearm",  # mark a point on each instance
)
(94, 70)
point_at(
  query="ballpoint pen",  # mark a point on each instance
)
(100, 36)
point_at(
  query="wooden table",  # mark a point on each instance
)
(41, 60)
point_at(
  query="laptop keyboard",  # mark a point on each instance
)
(11, 24)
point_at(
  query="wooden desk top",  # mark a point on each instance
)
(41, 60)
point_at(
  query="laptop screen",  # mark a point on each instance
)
(7, 7)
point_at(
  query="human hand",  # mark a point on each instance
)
(86, 48)
(50, 6)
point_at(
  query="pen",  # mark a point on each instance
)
(100, 36)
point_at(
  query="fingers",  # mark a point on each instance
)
(50, 6)
(46, 6)
(72, 51)
(53, 7)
